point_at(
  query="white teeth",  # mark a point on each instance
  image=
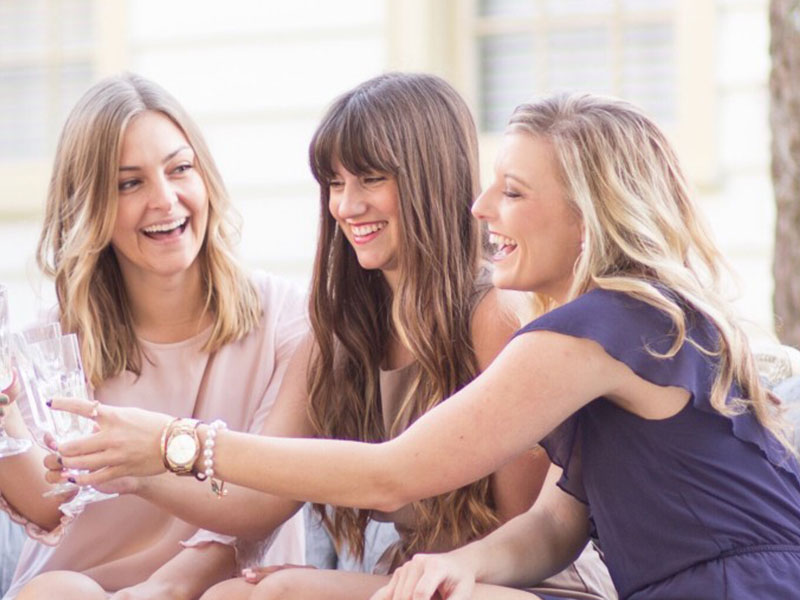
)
(165, 226)
(501, 240)
(360, 230)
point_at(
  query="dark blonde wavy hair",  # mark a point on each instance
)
(643, 231)
(75, 243)
(417, 129)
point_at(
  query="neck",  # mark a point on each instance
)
(167, 309)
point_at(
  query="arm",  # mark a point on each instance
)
(248, 513)
(516, 484)
(22, 480)
(521, 553)
(461, 440)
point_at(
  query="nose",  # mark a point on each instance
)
(350, 202)
(481, 208)
(163, 195)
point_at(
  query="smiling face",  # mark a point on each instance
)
(366, 207)
(162, 208)
(533, 228)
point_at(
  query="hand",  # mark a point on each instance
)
(55, 470)
(126, 442)
(147, 590)
(425, 575)
(255, 574)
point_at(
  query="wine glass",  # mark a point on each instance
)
(40, 415)
(9, 446)
(59, 372)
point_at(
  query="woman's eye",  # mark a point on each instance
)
(336, 184)
(182, 168)
(511, 194)
(373, 179)
(128, 184)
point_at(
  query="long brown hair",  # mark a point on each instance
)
(642, 229)
(74, 245)
(417, 129)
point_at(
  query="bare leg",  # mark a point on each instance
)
(64, 585)
(311, 584)
(232, 589)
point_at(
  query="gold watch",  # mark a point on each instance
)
(181, 446)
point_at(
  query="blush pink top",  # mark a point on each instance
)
(121, 542)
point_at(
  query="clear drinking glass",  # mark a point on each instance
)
(41, 416)
(9, 446)
(59, 372)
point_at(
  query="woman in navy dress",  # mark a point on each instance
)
(637, 379)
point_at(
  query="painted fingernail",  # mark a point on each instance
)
(3, 399)
(61, 462)
(71, 480)
(49, 403)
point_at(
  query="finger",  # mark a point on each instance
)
(407, 581)
(93, 460)
(50, 442)
(427, 585)
(83, 408)
(382, 593)
(52, 462)
(92, 444)
(95, 478)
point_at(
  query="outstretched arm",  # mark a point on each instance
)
(529, 389)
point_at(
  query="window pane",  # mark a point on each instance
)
(23, 26)
(580, 59)
(648, 70)
(579, 7)
(23, 112)
(76, 24)
(508, 8)
(507, 76)
(648, 5)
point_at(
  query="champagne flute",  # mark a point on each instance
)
(73, 384)
(41, 417)
(9, 446)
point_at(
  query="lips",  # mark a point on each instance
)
(166, 229)
(366, 232)
(503, 245)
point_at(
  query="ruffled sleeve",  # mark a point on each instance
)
(633, 332)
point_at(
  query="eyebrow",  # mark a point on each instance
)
(167, 158)
(518, 179)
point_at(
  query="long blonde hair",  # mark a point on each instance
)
(74, 245)
(417, 129)
(642, 229)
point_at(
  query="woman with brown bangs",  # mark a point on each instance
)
(403, 315)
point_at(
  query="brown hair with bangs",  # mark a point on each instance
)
(75, 242)
(417, 129)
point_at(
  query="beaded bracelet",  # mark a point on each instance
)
(217, 485)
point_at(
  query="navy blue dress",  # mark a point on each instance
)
(696, 506)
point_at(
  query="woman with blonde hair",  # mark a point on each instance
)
(636, 379)
(139, 239)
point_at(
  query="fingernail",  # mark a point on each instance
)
(71, 480)
(61, 462)
(49, 403)
(3, 399)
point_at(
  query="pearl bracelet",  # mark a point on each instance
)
(217, 485)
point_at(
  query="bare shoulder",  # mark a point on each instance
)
(494, 322)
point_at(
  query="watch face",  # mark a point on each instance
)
(181, 449)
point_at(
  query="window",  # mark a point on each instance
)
(46, 62)
(525, 48)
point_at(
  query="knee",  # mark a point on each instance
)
(284, 584)
(65, 585)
